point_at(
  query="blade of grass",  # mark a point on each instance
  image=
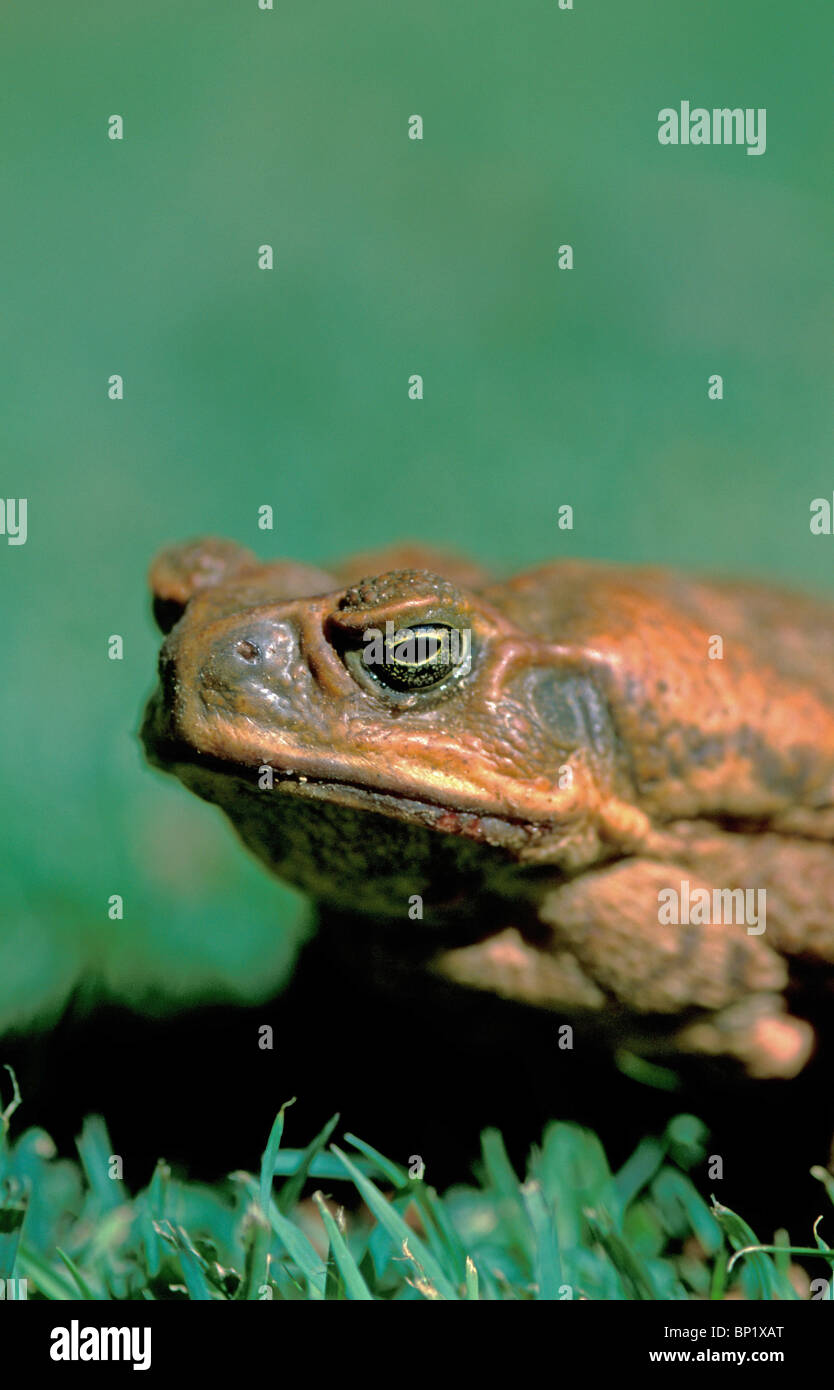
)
(6, 1114)
(827, 1179)
(396, 1227)
(440, 1230)
(806, 1250)
(47, 1280)
(96, 1149)
(324, 1166)
(355, 1286)
(256, 1259)
(78, 1277)
(396, 1175)
(504, 1179)
(301, 1250)
(634, 1273)
(718, 1283)
(268, 1160)
(680, 1202)
(686, 1138)
(547, 1265)
(199, 1290)
(191, 1263)
(646, 1073)
(291, 1190)
(639, 1169)
(152, 1207)
(768, 1282)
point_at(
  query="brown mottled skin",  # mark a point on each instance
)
(592, 756)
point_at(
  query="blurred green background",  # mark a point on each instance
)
(392, 257)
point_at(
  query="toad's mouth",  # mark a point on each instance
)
(217, 779)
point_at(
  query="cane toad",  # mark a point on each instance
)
(536, 779)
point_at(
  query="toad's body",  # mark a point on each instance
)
(545, 782)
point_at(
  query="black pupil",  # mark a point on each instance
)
(421, 657)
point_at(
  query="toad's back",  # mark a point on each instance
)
(704, 677)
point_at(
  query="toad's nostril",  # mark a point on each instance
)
(248, 650)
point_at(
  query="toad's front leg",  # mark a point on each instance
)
(724, 983)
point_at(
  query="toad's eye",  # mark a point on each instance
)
(417, 658)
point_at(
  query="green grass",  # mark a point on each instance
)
(571, 1228)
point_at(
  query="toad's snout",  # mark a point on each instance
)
(252, 669)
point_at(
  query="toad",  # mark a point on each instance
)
(507, 784)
